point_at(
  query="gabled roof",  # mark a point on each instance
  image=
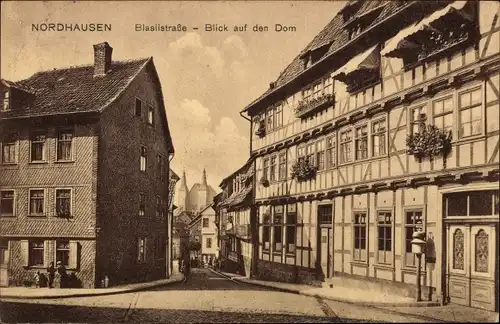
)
(75, 89)
(332, 35)
(17, 85)
(174, 175)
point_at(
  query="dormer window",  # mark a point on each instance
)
(6, 100)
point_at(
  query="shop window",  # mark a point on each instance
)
(36, 252)
(291, 228)
(413, 223)
(359, 237)
(62, 252)
(384, 228)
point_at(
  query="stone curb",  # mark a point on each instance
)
(348, 301)
(99, 292)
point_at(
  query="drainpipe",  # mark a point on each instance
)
(170, 225)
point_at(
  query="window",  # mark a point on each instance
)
(442, 111)
(4, 251)
(310, 153)
(282, 166)
(142, 204)
(328, 85)
(144, 158)
(413, 222)
(378, 137)
(418, 119)
(6, 102)
(325, 214)
(345, 146)
(278, 115)
(266, 168)
(320, 155)
(38, 147)
(266, 230)
(384, 228)
(36, 253)
(158, 207)
(316, 90)
(473, 203)
(9, 149)
(7, 203)
(37, 198)
(306, 94)
(270, 119)
(361, 142)
(151, 113)
(330, 152)
(162, 168)
(272, 175)
(360, 236)
(138, 107)
(62, 252)
(64, 145)
(208, 243)
(205, 222)
(470, 107)
(141, 249)
(278, 235)
(301, 151)
(63, 202)
(291, 228)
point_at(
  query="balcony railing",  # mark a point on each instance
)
(306, 107)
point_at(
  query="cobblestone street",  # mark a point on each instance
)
(206, 298)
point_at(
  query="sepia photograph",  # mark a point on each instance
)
(318, 161)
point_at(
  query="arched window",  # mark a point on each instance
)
(458, 250)
(481, 251)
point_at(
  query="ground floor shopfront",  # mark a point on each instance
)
(368, 236)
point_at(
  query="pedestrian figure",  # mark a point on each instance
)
(37, 279)
(51, 273)
(186, 270)
(61, 270)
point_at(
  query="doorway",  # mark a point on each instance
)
(471, 222)
(4, 263)
(325, 241)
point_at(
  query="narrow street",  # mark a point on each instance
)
(206, 298)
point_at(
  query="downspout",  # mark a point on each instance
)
(170, 225)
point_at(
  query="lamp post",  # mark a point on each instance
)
(418, 244)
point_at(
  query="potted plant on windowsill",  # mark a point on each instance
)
(264, 182)
(429, 142)
(303, 170)
(261, 131)
(309, 105)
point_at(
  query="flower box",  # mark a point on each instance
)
(303, 170)
(264, 182)
(429, 142)
(261, 131)
(306, 107)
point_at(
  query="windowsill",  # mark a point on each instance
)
(38, 162)
(384, 266)
(360, 263)
(8, 216)
(9, 163)
(38, 266)
(37, 216)
(64, 161)
(290, 254)
(467, 139)
(413, 270)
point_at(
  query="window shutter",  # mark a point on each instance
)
(25, 252)
(73, 255)
(46, 245)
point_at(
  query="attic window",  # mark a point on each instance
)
(6, 102)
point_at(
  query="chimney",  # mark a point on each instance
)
(102, 58)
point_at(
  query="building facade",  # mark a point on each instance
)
(209, 243)
(236, 211)
(84, 164)
(357, 145)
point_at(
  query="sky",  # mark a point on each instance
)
(207, 77)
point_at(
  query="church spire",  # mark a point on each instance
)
(183, 180)
(204, 178)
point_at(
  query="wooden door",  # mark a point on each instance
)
(4, 263)
(472, 265)
(326, 251)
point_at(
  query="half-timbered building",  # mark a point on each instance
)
(386, 123)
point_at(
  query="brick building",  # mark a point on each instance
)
(83, 174)
(385, 124)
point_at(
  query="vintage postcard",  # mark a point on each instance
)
(249, 161)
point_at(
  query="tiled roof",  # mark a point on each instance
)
(75, 89)
(17, 85)
(333, 34)
(238, 197)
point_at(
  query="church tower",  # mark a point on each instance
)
(203, 191)
(183, 194)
